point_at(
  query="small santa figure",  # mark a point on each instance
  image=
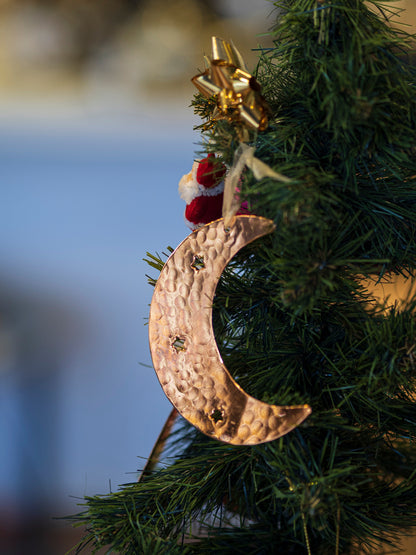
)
(202, 189)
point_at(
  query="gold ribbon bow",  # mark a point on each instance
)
(238, 100)
(237, 93)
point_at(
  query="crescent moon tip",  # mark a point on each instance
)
(304, 411)
(295, 414)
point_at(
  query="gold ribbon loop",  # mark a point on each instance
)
(243, 156)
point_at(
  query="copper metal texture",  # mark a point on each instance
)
(183, 347)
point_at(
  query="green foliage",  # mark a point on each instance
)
(294, 320)
(157, 262)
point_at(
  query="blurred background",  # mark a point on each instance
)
(95, 133)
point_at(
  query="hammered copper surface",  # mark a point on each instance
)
(184, 351)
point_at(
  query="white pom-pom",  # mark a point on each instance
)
(188, 185)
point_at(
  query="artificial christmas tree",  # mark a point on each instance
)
(297, 317)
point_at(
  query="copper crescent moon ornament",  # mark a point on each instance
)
(183, 347)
